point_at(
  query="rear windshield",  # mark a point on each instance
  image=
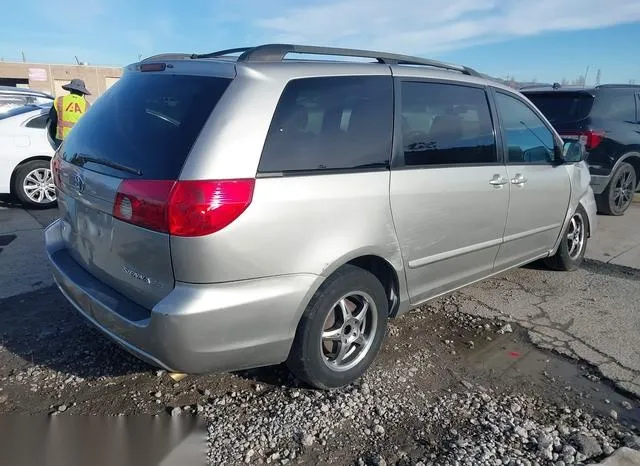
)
(560, 107)
(145, 122)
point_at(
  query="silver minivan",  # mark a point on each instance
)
(246, 207)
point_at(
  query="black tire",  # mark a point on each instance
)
(18, 184)
(307, 356)
(610, 202)
(565, 259)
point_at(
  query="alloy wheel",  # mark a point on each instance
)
(38, 186)
(348, 331)
(623, 189)
(575, 236)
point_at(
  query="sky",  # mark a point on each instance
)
(546, 40)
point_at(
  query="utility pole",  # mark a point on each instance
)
(586, 73)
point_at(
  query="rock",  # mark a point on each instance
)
(622, 457)
(158, 394)
(62, 408)
(176, 411)
(308, 440)
(505, 329)
(614, 414)
(607, 449)
(521, 431)
(378, 429)
(378, 460)
(633, 441)
(3, 398)
(544, 441)
(626, 405)
(466, 384)
(515, 408)
(568, 450)
(587, 445)
(207, 392)
(580, 457)
(248, 456)
(160, 373)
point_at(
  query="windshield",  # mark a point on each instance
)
(147, 122)
(561, 107)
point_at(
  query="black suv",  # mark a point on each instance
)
(606, 119)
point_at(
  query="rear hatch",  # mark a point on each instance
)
(134, 140)
(567, 111)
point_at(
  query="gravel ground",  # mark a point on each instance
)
(447, 388)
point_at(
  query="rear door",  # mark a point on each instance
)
(142, 128)
(449, 189)
(540, 188)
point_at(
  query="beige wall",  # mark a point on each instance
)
(50, 78)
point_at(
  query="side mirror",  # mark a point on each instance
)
(573, 151)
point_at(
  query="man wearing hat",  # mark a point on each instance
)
(67, 110)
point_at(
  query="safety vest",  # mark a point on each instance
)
(69, 109)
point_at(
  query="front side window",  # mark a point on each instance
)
(444, 124)
(331, 123)
(528, 138)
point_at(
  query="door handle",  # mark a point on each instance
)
(498, 181)
(518, 180)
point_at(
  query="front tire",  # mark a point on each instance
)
(618, 195)
(33, 184)
(341, 331)
(573, 245)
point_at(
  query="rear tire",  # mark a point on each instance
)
(618, 195)
(33, 184)
(349, 311)
(573, 245)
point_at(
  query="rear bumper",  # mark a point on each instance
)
(599, 183)
(196, 328)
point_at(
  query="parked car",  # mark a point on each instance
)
(221, 214)
(606, 119)
(14, 97)
(25, 156)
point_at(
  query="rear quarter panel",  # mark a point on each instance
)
(305, 224)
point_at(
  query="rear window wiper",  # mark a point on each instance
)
(82, 159)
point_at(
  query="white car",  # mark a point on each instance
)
(25, 156)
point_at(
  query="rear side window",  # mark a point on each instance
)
(616, 106)
(562, 107)
(331, 123)
(38, 122)
(147, 122)
(444, 124)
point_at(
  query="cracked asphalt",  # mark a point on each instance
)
(592, 314)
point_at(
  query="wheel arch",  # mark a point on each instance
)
(632, 158)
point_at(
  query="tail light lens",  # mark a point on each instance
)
(55, 171)
(590, 138)
(183, 208)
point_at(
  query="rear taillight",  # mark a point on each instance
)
(55, 171)
(590, 138)
(183, 208)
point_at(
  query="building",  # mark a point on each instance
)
(50, 78)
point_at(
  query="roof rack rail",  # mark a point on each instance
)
(168, 56)
(277, 52)
(222, 53)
